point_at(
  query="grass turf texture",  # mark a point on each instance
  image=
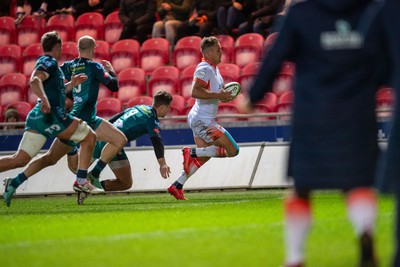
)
(237, 228)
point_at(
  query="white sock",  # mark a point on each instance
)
(183, 178)
(298, 221)
(81, 180)
(211, 151)
(361, 209)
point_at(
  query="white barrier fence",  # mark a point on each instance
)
(261, 165)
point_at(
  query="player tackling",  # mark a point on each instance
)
(211, 139)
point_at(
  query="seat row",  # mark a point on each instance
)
(135, 82)
(109, 106)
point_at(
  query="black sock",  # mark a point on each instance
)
(103, 184)
(178, 185)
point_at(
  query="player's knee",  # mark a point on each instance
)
(127, 184)
(121, 142)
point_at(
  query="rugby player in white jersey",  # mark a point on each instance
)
(211, 139)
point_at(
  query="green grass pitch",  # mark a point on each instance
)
(217, 228)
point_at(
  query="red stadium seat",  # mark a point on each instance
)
(248, 48)
(131, 84)
(124, 54)
(1, 114)
(227, 43)
(7, 30)
(186, 80)
(229, 71)
(283, 81)
(164, 78)
(270, 40)
(89, 23)
(107, 107)
(385, 98)
(154, 53)
(140, 100)
(248, 74)
(173, 112)
(225, 109)
(285, 102)
(30, 31)
(10, 59)
(270, 100)
(22, 107)
(12, 88)
(187, 52)
(69, 52)
(104, 92)
(63, 24)
(178, 102)
(102, 51)
(112, 28)
(29, 57)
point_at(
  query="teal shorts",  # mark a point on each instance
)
(49, 125)
(99, 147)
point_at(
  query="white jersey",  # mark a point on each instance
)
(208, 74)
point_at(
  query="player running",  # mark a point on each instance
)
(212, 139)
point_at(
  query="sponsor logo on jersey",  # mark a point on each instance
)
(342, 38)
(201, 74)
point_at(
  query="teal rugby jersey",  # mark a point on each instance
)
(54, 85)
(85, 95)
(137, 121)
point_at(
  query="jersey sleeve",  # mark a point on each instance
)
(202, 75)
(153, 128)
(101, 74)
(66, 68)
(45, 65)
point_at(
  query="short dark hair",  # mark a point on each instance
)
(162, 98)
(208, 42)
(49, 40)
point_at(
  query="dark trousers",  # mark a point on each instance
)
(186, 29)
(141, 31)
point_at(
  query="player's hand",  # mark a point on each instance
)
(225, 96)
(237, 5)
(107, 65)
(246, 107)
(165, 171)
(78, 79)
(201, 20)
(166, 6)
(45, 106)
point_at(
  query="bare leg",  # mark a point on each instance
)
(57, 150)
(19, 159)
(115, 139)
(123, 180)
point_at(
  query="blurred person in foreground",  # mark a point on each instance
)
(212, 140)
(342, 58)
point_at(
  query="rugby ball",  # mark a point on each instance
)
(234, 88)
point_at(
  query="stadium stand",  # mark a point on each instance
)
(30, 31)
(187, 52)
(10, 59)
(63, 24)
(90, 23)
(112, 28)
(102, 51)
(124, 54)
(229, 71)
(185, 81)
(22, 107)
(7, 30)
(154, 53)
(227, 43)
(140, 100)
(131, 84)
(107, 107)
(29, 56)
(12, 88)
(164, 78)
(248, 48)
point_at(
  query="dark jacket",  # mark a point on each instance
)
(142, 11)
(205, 7)
(179, 10)
(342, 58)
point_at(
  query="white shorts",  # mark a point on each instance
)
(31, 143)
(208, 130)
